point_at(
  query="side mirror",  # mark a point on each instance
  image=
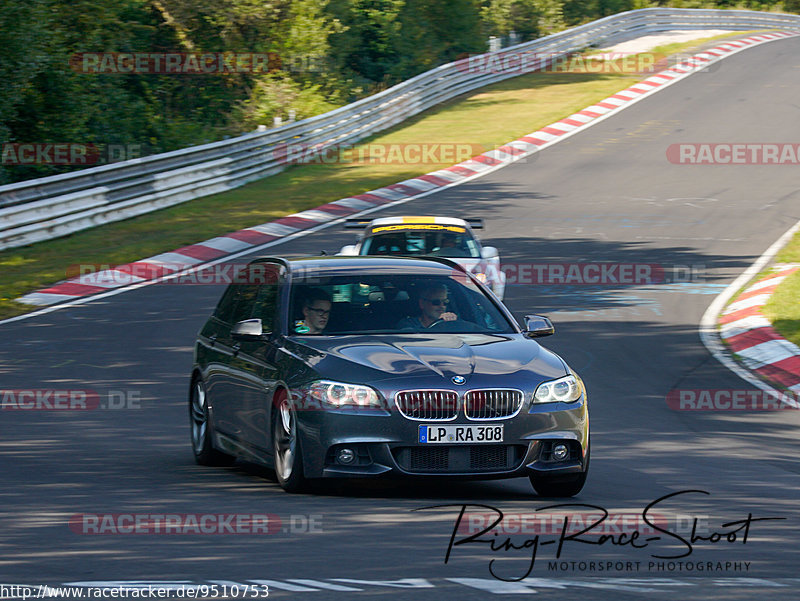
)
(249, 329)
(348, 251)
(490, 252)
(537, 326)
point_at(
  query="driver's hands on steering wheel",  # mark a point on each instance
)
(446, 316)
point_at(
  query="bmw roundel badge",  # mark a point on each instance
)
(459, 379)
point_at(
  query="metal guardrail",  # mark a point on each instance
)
(49, 207)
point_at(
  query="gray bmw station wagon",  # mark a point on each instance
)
(379, 366)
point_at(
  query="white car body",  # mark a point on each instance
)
(485, 267)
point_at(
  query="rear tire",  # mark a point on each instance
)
(204, 451)
(286, 447)
(561, 485)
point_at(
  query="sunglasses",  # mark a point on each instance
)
(320, 312)
(437, 301)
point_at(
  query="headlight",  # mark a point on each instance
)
(563, 390)
(339, 395)
(481, 277)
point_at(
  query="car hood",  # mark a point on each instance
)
(484, 360)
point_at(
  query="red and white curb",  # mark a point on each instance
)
(255, 238)
(750, 335)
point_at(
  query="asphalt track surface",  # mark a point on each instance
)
(607, 194)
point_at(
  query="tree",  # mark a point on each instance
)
(432, 33)
(365, 47)
(24, 30)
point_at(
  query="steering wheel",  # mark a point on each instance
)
(461, 325)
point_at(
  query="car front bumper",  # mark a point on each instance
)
(389, 444)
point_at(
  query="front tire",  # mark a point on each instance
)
(204, 451)
(286, 447)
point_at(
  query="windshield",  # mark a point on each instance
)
(421, 239)
(393, 304)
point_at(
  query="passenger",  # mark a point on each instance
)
(316, 312)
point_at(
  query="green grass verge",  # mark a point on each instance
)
(783, 308)
(487, 118)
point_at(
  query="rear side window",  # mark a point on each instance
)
(245, 302)
(266, 305)
(256, 296)
(226, 305)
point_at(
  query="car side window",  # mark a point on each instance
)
(256, 297)
(245, 302)
(266, 306)
(226, 305)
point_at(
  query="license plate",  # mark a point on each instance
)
(458, 434)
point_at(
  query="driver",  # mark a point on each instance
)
(451, 246)
(433, 303)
